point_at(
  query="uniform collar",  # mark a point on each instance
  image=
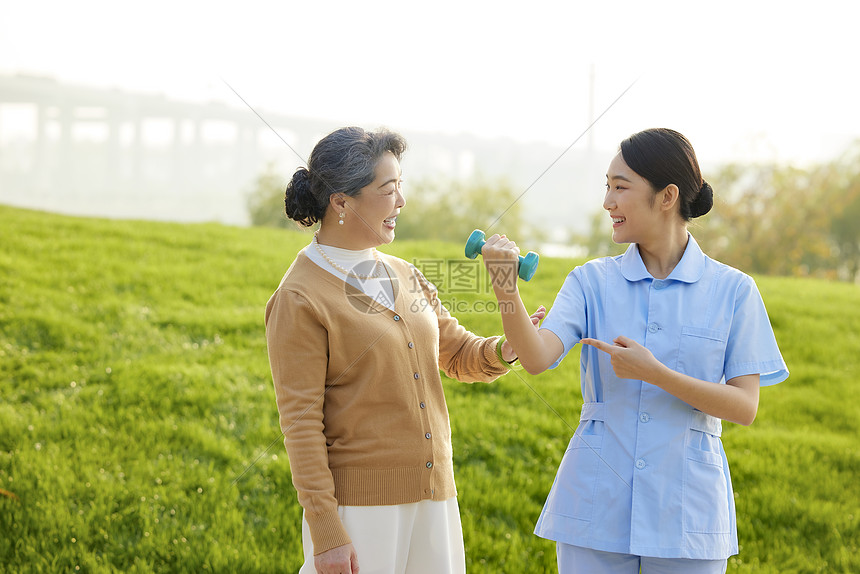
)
(689, 269)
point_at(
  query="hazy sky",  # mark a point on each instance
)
(743, 80)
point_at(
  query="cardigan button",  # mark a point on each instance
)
(416, 375)
(422, 405)
(397, 317)
(428, 435)
(429, 464)
(411, 344)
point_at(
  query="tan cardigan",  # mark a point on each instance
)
(359, 393)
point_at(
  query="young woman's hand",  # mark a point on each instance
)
(340, 560)
(629, 359)
(735, 401)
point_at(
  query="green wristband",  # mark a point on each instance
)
(513, 365)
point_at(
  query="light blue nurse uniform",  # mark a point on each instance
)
(645, 473)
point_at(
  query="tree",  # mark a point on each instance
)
(265, 200)
(784, 220)
(842, 189)
(767, 219)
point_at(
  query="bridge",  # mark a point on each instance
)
(85, 150)
(61, 144)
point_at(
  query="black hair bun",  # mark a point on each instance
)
(299, 202)
(704, 200)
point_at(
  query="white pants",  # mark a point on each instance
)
(419, 538)
(576, 560)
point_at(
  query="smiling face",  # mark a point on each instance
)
(632, 204)
(371, 214)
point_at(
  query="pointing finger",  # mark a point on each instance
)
(597, 344)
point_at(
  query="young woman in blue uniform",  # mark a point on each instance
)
(676, 342)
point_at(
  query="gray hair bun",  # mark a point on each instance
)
(299, 202)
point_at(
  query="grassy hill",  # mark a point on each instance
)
(138, 429)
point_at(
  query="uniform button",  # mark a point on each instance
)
(644, 417)
(421, 404)
(411, 344)
(640, 464)
(429, 464)
(427, 435)
(397, 317)
(653, 327)
(416, 375)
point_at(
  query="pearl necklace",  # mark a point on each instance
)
(347, 272)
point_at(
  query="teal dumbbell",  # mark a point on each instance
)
(527, 266)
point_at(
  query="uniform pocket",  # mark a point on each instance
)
(574, 489)
(706, 502)
(702, 352)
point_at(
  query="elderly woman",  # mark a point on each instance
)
(356, 340)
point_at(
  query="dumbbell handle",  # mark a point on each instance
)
(526, 267)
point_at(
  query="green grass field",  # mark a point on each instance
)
(138, 428)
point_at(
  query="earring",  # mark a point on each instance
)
(342, 215)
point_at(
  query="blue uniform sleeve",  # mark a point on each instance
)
(567, 317)
(752, 347)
